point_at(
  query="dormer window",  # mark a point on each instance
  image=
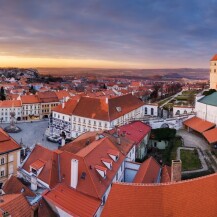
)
(107, 163)
(37, 166)
(118, 109)
(114, 155)
(101, 170)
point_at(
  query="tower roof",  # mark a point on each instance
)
(214, 58)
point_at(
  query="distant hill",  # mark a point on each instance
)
(181, 73)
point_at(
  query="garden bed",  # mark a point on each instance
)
(190, 160)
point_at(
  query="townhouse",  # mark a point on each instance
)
(8, 106)
(48, 101)
(31, 107)
(95, 113)
(9, 156)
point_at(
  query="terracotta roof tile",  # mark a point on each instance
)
(44, 210)
(62, 94)
(67, 108)
(16, 205)
(47, 97)
(10, 103)
(135, 131)
(214, 58)
(148, 172)
(14, 186)
(80, 142)
(198, 124)
(29, 99)
(7, 144)
(38, 164)
(195, 198)
(49, 173)
(93, 185)
(166, 174)
(211, 135)
(72, 202)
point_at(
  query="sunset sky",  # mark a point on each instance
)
(108, 33)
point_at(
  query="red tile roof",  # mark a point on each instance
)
(135, 131)
(90, 156)
(38, 164)
(72, 202)
(101, 108)
(44, 210)
(47, 97)
(195, 198)
(198, 124)
(49, 173)
(10, 103)
(14, 186)
(30, 99)
(7, 144)
(211, 135)
(62, 94)
(214, 58)
(66, 108)
(16, 205)
(166, 174)
(148, 172)
(126, 143)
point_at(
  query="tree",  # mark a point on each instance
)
(32, 90)
(2, 94)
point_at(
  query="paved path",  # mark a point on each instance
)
(32, 133)
(197, 141)
(169, 99)
(193, 140)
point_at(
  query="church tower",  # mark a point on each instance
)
(213, 72)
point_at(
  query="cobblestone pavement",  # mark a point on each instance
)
(32, 133)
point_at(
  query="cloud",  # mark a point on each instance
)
(161, 33)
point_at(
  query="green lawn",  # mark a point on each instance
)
(190, 160)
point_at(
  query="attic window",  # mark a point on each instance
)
(114, 155)
(107, 163)
(101, 170)
(118, 109)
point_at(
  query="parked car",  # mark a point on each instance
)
(55, 139)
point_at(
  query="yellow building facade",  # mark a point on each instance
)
(213, 72)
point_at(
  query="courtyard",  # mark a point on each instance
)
(32, 133)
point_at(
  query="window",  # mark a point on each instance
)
(2, 173)
(2, 160)
(152, 111)
(146, 110)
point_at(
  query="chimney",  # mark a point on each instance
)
(74, 173)
(176, 170)
(63, 141)
(63, 105)
(119, 140)
(106, 100)
(97, 137)
(33, 182)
